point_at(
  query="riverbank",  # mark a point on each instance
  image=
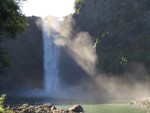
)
(67, 105)
(90, 108)
(46, 108)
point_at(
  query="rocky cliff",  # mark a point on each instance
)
(27, 70)
(96, 15)
(120, 29)
(26, 56)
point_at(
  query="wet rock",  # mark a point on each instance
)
(76, 108)
(47, 105)
(46, 108)
(53, 108)
(25, 105)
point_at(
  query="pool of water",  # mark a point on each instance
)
(39, 101)
(65, 103)
(111, 108)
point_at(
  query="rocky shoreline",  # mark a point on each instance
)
(45, 108)
(144, 102)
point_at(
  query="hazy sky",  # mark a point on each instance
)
(58, 8)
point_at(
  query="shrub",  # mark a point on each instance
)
(2, 99)
(77, 5)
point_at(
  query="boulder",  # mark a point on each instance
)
(76, 108)
(53, 108)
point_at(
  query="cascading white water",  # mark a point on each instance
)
(51, 62)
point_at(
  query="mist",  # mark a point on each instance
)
(100, 87)
(130, 86)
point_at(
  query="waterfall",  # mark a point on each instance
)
(51, 61)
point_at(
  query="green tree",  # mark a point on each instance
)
(77, 5)
(2, 99)
(12, 22)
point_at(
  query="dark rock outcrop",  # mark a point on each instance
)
(122, 27)
(26, 56)
(95, 16)
(76, 108)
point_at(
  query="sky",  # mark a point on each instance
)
(43, 8)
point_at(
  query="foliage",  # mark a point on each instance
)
(129, 39)
(113, 63)
(2, 98)
(77, 5)
(99, 38)
(127, 24)
(2, 109)
(4, 61)
(12, 22)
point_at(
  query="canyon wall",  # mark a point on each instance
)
(26, 57)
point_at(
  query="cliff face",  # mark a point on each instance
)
(95, 15)
(121, 30)
(26, 56)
